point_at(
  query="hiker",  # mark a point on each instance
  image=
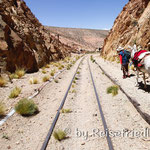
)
(124, 60)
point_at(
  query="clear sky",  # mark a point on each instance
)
(92, 14)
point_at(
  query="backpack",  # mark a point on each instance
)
(127, 54)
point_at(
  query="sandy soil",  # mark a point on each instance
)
(83, 124)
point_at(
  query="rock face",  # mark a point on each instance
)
(24, 42)
(131, 26)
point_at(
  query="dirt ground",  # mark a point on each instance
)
(83, 124)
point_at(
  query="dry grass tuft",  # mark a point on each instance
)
(56, 81)
(46, 78)
(26, 107)
(20, 73)
(2, 109)
(33, 81)
(13, 76)
(15, 92)
(47, 66)
(3, 82)
(66, 111)
(59, 135)
(52, 73)
(44, 71)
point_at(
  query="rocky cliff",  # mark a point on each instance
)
(24, 42)
(131, 26)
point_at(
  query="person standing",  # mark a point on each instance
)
(124, 61)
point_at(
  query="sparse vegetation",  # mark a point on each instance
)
(53, 72)
(47, 66)
(59, 135)
(66, 111)
(20, 73)
(56, 81)
(78, 72)
(3, 82)
(45, 78)
(69, 66)
(33, 81)
(26, 107)
(73, 91)
(92, 59)
(13, 76)
(2, 109)
(113, 89)
(73, 85)
(5, 136)
(44, 71)
(76, 78)
(15, 92)
(74, 81)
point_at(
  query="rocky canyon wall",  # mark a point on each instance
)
(131, 26)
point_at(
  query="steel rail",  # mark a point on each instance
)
(44, 146)
(110, 145)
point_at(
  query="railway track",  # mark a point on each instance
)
(48, 137)
(145, 116)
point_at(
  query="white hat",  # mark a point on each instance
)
(120, 49)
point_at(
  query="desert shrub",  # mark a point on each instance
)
(13, 76)
(66, 111)
(2, 109)
(52, 73)
(3, 82)
(44, 71)
(46, 78)
(69, 66)
(20, 72)
(59, 135)
(26, 107)
(76, 78)
(73, 86)
(15, 92)
(47, 66)
(56, 81)
(77, 57)
(113, 89)
(73, 91)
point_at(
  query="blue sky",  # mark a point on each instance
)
(92, 14)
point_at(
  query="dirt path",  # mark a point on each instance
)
(83, 124)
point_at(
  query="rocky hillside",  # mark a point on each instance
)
(24, 42)
(80, 38)
(131, 26)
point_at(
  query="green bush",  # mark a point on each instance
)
(59, 135)
(26, 107)
(113, 89)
